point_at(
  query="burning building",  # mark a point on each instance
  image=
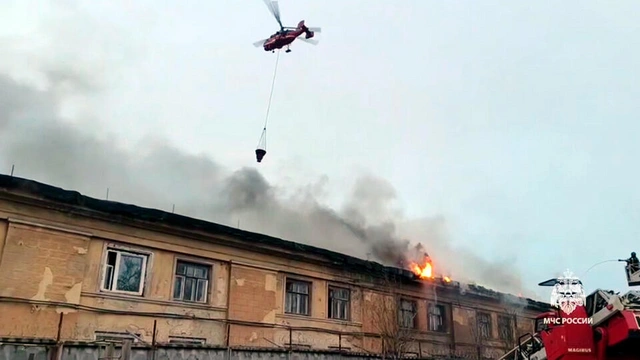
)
(76, 271)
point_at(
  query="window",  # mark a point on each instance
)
(124, 272)
(436, 318)
(114, 336)
(339, 303)
(186, 340)
(484, 325)
(407, 314)
(297, 299)
(505, 328)
(191, 282)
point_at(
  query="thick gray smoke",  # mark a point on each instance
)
(47, 147)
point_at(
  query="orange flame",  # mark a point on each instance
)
(446, 279)
(424, 271)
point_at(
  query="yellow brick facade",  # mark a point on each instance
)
(54, 260)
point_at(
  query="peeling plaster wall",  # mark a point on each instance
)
(253, 298)
(17, 352)
(4, 226)
(57, 262)
(44, 265)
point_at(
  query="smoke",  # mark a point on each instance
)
(48, 143)
(515, 305)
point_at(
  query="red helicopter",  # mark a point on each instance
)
(286, 35)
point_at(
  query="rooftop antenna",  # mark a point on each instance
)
(13, 166)
(173, 208)
(107, 193)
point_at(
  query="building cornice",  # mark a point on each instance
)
(73, 203)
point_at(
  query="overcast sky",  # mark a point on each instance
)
(516, 121)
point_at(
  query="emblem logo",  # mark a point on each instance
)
(568, 293)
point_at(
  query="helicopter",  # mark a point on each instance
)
(286, 35)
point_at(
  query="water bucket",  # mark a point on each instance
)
(260, 153)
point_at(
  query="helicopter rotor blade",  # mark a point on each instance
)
(315, 29)
(274, 9)
(309, 41)
(259, 43)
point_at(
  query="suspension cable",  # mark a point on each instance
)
(263, 137)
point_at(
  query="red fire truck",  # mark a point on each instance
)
(606, 327)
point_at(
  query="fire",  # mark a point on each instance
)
(423, 271)
(419, 262)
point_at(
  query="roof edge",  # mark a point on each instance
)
(122, 211)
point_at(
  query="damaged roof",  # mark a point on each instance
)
(72, 201)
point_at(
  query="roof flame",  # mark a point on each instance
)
(420, 263)
(424, 270)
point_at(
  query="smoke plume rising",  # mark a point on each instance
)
(47, 146)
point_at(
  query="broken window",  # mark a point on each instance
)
(339, 299)
(484, 325)
(191, 282)
(505, 328)
(407, 313)
(124, 272)
(297, 299)
(436, 318)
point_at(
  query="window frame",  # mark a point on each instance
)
(442, 316)
(511, 325)
(186, 340)
(146, 257)
(346, 301)
(308, 295)
(489, 323)
(115, 336)
(402, 311)
(188, 261)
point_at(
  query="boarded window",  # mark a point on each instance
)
(484, 325)
(407, 313)
(505, 328)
